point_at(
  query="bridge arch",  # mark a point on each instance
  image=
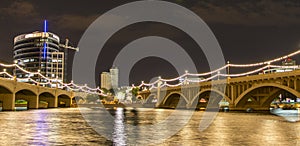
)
(172, 93)
(79, 97)
(42, 93)
(210, 90)
(29, 96)
(150, 98)
(49, 98)
(33, 90)
(288, 89)
(139, 97)
(64, 100)
(7, 84)
(65, 96)
(78, 100)
(4, 89)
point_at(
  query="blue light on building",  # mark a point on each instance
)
(45, 45)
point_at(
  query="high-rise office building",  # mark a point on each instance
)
(41, 52)
(110, 80)
(114, 73)
(34, 51)
(105, 80)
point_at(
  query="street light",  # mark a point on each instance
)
(56, 79)
(228, 67)
(269, 67)
(39, 76)
(4, 70)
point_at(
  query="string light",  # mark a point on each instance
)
(209, 73)
(266, 62)
(72, 86)
(246, 73)
(176, 85)
(4, 72)
(231, 65)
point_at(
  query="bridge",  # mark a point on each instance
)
(255, 91)
(12, 90)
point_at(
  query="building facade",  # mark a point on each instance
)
(105, 80)
(110, 80)
(40, 52)
(114, 74)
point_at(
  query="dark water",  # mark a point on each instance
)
(67, 126)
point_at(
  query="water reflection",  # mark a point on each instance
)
(67, 127)
(39, 137)
(119, 135)
(47, 127)
(220, 131)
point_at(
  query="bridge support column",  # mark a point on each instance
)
(238, 88)
(71, 101)
(188, 105)
(8, 102)
(159, 99)
(296, 85)
(33, 102)
(53, 102)
(231, 106)
(232, 93)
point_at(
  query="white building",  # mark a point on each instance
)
(114, 75)
(105, 80)
(110, 80)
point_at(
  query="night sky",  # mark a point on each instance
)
(248, 31)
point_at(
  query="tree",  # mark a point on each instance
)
(102, 97)
(134, 92)
(112, 91)
(104, 90)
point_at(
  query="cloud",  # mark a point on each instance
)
(79, 22)
(73, 21)
(250, 13)
(19, 9)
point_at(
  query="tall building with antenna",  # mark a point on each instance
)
(41, 52)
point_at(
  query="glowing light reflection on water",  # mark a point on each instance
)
(67, 127)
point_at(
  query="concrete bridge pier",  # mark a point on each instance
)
(158, 97)
(53, 103)
(8, 101)
(33, 102)
(189, 106)
(158, 102)
(231, 106)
